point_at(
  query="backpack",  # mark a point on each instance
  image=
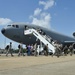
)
(7, 47)
(19, 46)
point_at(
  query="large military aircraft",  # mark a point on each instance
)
(16, 32)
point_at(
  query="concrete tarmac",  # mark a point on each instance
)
(40, 65)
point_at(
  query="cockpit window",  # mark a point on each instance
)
(13, 25)
(8, 25)
(17, 26)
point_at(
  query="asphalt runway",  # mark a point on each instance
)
(40, 65)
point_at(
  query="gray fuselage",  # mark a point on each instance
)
(16, 32)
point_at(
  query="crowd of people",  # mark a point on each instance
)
(63, 50)
(31, 50)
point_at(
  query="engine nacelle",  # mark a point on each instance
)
(74, 34)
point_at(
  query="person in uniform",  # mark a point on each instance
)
(46, 50)
(71, 49)
(9, 49)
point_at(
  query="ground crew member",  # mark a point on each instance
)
(71, 49)
(35, 48)
(46, 50)
(20, 50)
(9, 49)
(65, 49)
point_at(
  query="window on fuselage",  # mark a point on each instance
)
(26, 27)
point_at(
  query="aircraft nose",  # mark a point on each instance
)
(3, 31)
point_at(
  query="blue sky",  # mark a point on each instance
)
(58, 15)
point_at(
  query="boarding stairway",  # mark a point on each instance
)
(41, 38)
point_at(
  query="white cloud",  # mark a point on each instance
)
(43, 21)
(55, 3)
(37, 12)
(41, 17)
(47, 4)
(4, 21)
